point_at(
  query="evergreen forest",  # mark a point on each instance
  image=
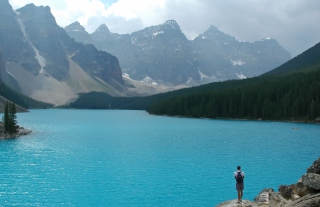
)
(291, 97)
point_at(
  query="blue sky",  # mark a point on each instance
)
(293, 23)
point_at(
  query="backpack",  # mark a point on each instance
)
(239, 177)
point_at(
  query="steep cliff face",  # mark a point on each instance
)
(13, 43)
(43, 34)
(160, 53)
(46, 63)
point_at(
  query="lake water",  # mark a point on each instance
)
(129, 158)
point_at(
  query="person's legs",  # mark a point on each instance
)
(239, 195)
(240, 187)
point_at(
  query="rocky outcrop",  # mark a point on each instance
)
(311, 181)
(315, 167)
(20, 132)
(305, 193)
(306, 201)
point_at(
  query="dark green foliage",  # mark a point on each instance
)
(20, 99)
(9, 118)
(294, 96)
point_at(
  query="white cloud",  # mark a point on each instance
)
(292, 23)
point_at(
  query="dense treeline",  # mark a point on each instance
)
(292, 96)
(20, 99)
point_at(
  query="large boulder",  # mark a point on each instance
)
(263, 196)
(311, 180)
(287, 191)
(268, 197)
(277, 200)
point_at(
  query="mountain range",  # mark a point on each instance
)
(289, 92)
(163, 55)
(53, 64)
(43, 62)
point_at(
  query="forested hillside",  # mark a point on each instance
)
(310, 57)
(295, 96)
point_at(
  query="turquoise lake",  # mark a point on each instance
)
(130, 158)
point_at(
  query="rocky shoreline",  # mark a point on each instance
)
(305, 193)
(21, 132)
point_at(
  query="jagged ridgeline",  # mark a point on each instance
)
(292, 93)
(163, 54)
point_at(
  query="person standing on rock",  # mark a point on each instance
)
(239, 176)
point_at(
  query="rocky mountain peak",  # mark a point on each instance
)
(33, 7)
(39, 14)
(171, 25)
(215, 34)
(79, 33)
(103, 28)
(75, 26)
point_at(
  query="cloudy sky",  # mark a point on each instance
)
(293, 23)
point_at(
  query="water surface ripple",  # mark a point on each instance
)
(129, 158)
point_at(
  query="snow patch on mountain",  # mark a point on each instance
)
(241, 76)
(127, 76)
(237, 62)
(157, 33)
(147, 79)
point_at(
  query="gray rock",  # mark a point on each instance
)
(287, 191)
(301, 189)
(315, 168)
(235, 203)
(306, 201)
(276, 200)
(263, 196)
(311, 180)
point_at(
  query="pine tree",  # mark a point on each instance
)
(10, 118)
(5, 118)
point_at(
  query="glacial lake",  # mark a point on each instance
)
(130, 158)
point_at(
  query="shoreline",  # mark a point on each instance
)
(21, 132)
(316, 121)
